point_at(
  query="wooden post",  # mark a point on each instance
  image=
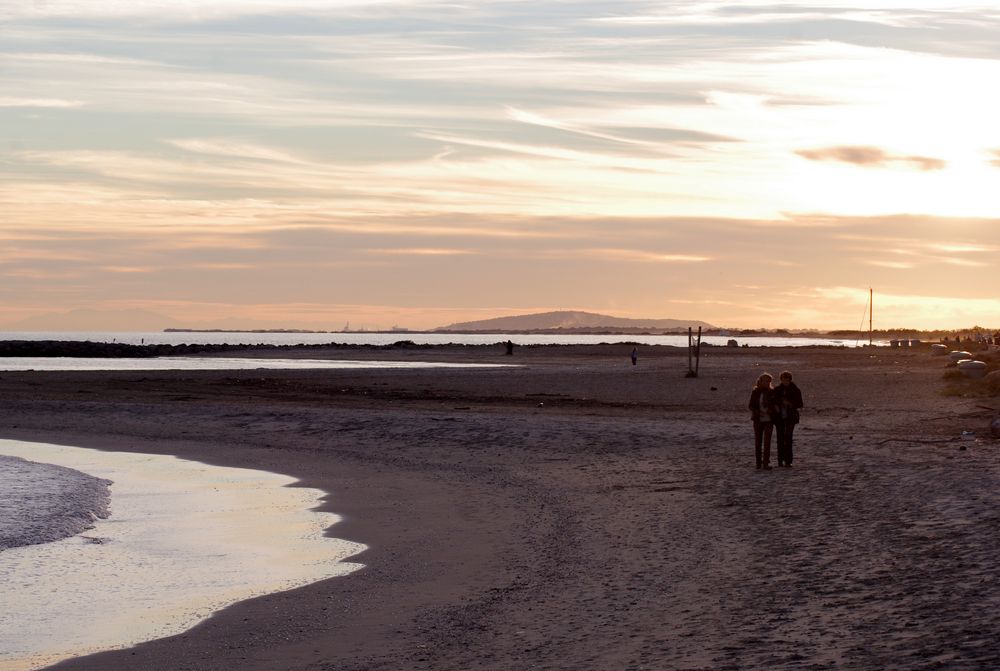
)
(689, 351)
(697, 354)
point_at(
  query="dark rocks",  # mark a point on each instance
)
(104, 350)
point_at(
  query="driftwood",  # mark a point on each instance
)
(917, 440)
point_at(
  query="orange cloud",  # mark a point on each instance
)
(423, 251)
(870, 157)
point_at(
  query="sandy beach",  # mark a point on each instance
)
(577, 512)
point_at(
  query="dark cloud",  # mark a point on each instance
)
(871, 157)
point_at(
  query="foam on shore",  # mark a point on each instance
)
(183, 540)
(40, 503)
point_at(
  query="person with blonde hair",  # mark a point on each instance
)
(762, 413)
(787, 402)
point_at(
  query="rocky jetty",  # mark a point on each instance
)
(106, 350)
(71, 348)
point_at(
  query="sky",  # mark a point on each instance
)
(414, 163)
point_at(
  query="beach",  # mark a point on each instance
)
(576, 512)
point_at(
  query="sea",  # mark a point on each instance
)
(24, 363)
(103, 550)
(418, 338)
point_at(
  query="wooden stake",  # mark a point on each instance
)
(697, 354)
(689, 350)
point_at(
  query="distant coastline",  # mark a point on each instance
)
(881, 334)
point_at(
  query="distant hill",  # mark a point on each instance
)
(572, 321)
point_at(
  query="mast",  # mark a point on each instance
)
(871, 295)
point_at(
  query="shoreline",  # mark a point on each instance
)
(578, 513)
(185, 540)
(398, 555)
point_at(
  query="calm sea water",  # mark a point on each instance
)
(158, 338)
(212, 363)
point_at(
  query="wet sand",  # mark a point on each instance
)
(579, 513)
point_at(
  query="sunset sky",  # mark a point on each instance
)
(305, 163)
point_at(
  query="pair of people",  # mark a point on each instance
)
(774, 409)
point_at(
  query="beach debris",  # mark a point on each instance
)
(921, 441)
(968, 435)
(972, 368)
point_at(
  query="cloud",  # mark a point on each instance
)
(959, 247)
(639, 255)
(234, 149)
(77, 59)
(172, 10)
(870, 157)
(540, 120)
(885, 263)
(40, 102)
(423, 251)
(128, 269)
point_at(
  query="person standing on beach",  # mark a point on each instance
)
(788, 401)
(762, 412)
(635, 355)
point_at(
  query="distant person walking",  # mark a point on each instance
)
(762, 413)
(635, 356)
(510, 348)
(788, 402)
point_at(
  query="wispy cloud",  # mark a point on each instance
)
(871, 157)
(423, 251)
(165, 10)
(40, 102)
(886, 263)
(235, 149)
(639, 255)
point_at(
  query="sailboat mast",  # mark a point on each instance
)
(871, 295)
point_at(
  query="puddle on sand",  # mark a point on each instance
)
(184, 540)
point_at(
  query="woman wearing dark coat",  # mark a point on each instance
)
(788, 401)
(762, 411)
